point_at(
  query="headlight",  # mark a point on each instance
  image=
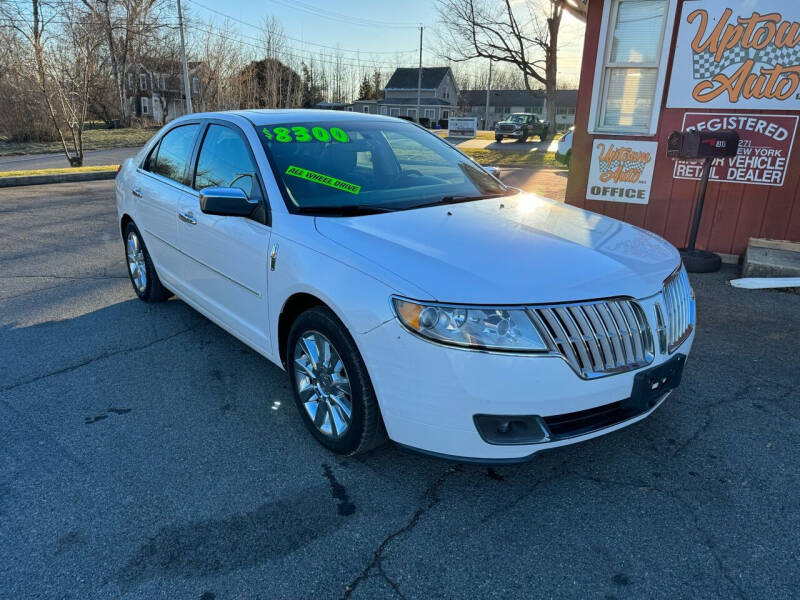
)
(479, 328)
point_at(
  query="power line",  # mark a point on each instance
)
(242, 22)
(342, 18)
(293, 53)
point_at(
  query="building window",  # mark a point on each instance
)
(394, 112)
(142, 81)
(145, 106)
(195, 85)
(430, 113)
(130, 80)
(383, 110)
(631, 76)
(366, 108)
(162, 82)
(412, 112)
(445, 114)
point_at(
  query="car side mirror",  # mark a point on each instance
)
(229, 202)
(493, 171)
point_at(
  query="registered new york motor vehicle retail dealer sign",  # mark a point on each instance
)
(764, 149)
(621, 171)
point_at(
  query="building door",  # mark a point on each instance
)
(158, 111)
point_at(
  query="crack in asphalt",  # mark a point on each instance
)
(709, 417)
(102, 356)
(704, 538)
(433, 499)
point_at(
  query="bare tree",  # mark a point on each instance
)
(64, 41)
(523, 34)
(127, 26)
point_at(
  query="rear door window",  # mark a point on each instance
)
(173, 153)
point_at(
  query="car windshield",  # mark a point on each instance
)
(353, 166)
(518, 118)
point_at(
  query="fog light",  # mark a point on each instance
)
(508, 429)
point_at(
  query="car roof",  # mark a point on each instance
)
(260, 117)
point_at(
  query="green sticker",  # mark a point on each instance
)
(298, 133)
(321, 179)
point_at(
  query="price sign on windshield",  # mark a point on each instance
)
(299, 133)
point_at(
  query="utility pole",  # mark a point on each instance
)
(186, 88)
(488, 89)
(419, 76)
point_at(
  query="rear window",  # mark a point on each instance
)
(173, 153)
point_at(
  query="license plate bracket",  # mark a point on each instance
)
(650, 386)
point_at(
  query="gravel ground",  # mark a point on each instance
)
(146, 453)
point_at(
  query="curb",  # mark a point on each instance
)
(58, 178)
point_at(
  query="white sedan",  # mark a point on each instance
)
(406, 291)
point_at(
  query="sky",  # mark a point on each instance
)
(364, 28)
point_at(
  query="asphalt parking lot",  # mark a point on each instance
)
(146, 453)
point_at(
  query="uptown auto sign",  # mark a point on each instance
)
(743, 54)
(621, 171)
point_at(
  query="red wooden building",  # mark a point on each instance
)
(654, 66)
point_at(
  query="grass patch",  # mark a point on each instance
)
(59, 171)
(93, 139)
(503, 158)
(482, 134)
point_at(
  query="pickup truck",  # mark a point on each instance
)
(521, 126)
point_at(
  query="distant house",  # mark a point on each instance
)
(505, 102)
(334, 106)
(156, 92)
(438, 95)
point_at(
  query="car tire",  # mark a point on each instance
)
(498, 138)
(314, 377)
(141, 270)
(700, 261)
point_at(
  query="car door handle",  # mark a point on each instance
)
(136, 192)
(187, 217)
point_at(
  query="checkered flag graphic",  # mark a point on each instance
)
(704, 66)
(788, 57)
(626, 165)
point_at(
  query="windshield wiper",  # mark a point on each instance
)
(347, 210)
(459, 199)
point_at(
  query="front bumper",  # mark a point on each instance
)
(429, 394)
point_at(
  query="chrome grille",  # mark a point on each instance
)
(597, 338)
(679, 306)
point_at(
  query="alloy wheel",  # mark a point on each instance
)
(136, 262)
(323, 385)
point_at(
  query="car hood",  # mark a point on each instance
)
(509, 123)
(513, 250)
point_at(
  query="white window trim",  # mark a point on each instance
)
(145, 105)
(598, 88)
(143, 81)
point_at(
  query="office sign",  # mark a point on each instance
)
(621, 171)
(737, 54)
(462, 127)
(764, 148)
